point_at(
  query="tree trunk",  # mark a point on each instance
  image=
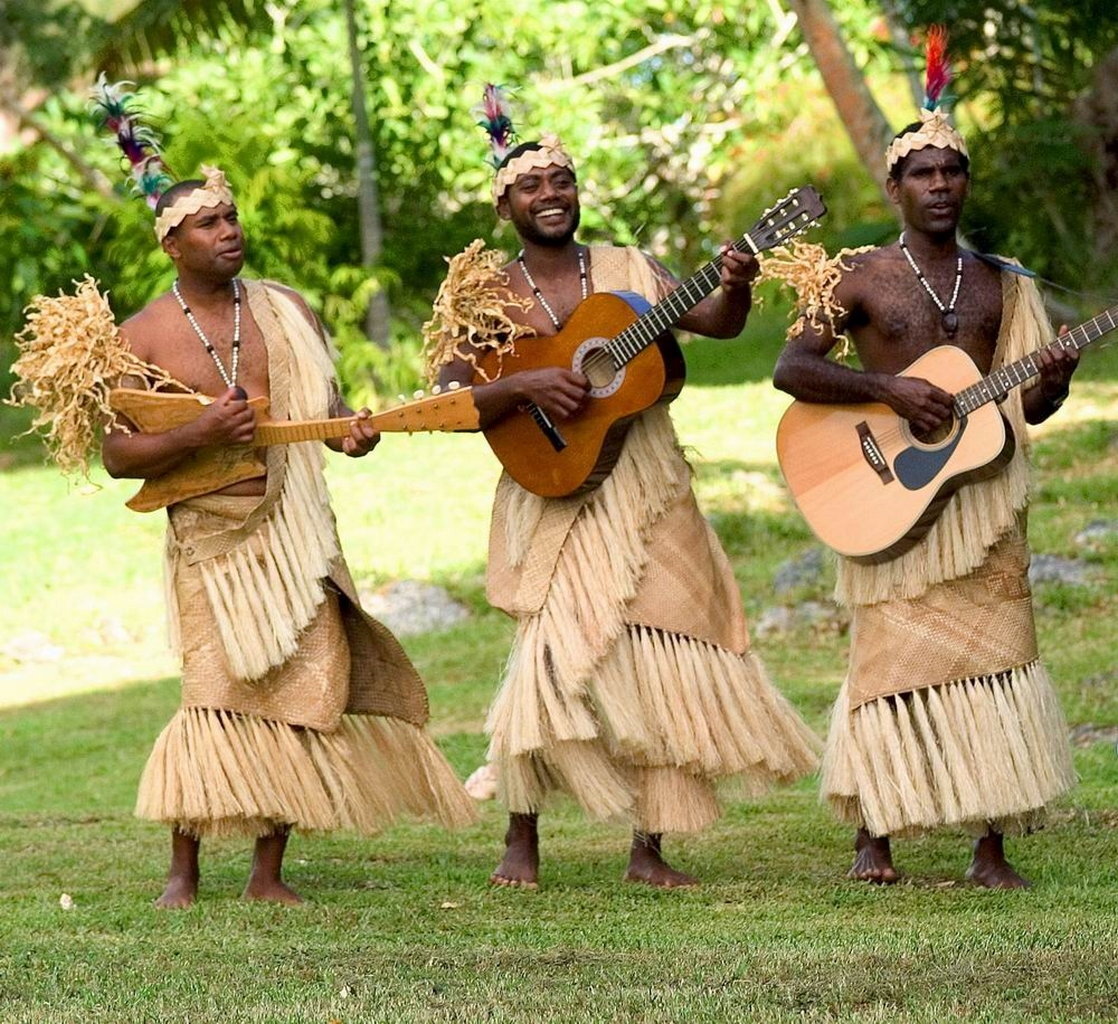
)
(856, 107)
(377, 320)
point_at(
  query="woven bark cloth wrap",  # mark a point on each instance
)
(947, 716)
(631, 683)
(264, 565)
(329, 734)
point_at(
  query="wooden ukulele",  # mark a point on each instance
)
(868, 486)
(610, 338)
(216, 466)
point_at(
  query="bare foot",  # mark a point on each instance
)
(520, 866)
(182, 878)
(178, 894)
(265, 881)
(873, 860)
(990, 869)
(647, 865)
(272, 891)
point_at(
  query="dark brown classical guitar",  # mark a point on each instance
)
(868, 486)
(625, 348)
(216, 466)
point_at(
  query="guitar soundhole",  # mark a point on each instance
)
(595, 361)
(934, 438)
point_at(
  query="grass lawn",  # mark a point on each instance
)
(402, 927)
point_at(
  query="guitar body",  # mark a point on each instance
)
(866, 485)
(218, 466)
(595, 436)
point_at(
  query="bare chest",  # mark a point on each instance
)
(899, 319)
(207, 364)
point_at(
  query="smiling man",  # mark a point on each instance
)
(631, 685)
(298, 709)
(947, 716)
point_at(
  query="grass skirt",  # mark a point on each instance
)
(216, 773)
(977, 753)
(645, 739)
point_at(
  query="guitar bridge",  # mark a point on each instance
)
(871, 452)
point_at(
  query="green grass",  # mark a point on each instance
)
(402, 927)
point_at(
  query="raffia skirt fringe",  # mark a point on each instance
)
(216, 773)
(977, 753)
(664, 717)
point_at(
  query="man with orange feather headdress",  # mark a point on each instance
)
(947, 716)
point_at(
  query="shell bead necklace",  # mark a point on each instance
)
(582, 279)
(230, 376)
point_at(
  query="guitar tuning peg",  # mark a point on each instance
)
(402, 399)
(417, 395)
(454, 385)
(436, 389)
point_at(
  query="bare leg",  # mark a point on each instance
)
(873, 859)
(264, 880)
(647, 865)
(520, 866)
(182, 877)
(989, 868)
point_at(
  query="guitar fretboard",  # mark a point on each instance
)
(786, 220)
(999, 383)
(301, 430)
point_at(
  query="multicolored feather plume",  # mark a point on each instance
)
(495, 111)
(113, 105)
(938, 71)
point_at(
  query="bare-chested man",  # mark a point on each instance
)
(982, 745)
(294, 701)
(631, 684)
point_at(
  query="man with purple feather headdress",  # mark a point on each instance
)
(299, 711)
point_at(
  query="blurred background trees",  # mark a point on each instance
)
(685, 122)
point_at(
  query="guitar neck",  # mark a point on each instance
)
(669, 310)
(280, 432)
(995, 386)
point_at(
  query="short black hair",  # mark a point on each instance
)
(896, 172)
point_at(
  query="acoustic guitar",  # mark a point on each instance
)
(625, 348)
(216, 466)
(868, 486)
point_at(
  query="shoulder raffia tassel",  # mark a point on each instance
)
(813, 276)
(71, 356)
(471, 310)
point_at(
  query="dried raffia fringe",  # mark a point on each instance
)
(213, 772)
(812, 275)
(265, 592)
(974, 753)
(567, 709)
(71, 356)
(471, 311)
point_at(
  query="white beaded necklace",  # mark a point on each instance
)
(946, 311)
(539, 295)
(230, 378)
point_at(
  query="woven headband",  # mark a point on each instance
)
(214, 192)
(935, 130)
(550, 153)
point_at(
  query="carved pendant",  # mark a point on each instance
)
(950, 322)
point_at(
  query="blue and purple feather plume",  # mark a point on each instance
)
(112, 103)
(495, 111)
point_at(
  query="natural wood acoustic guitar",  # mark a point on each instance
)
(868, 486)
(626, 349)
(217, 466)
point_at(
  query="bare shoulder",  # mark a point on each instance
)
(147, 331)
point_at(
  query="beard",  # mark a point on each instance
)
(530, 233)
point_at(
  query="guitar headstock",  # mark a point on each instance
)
(449, 410)
(784, 220)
